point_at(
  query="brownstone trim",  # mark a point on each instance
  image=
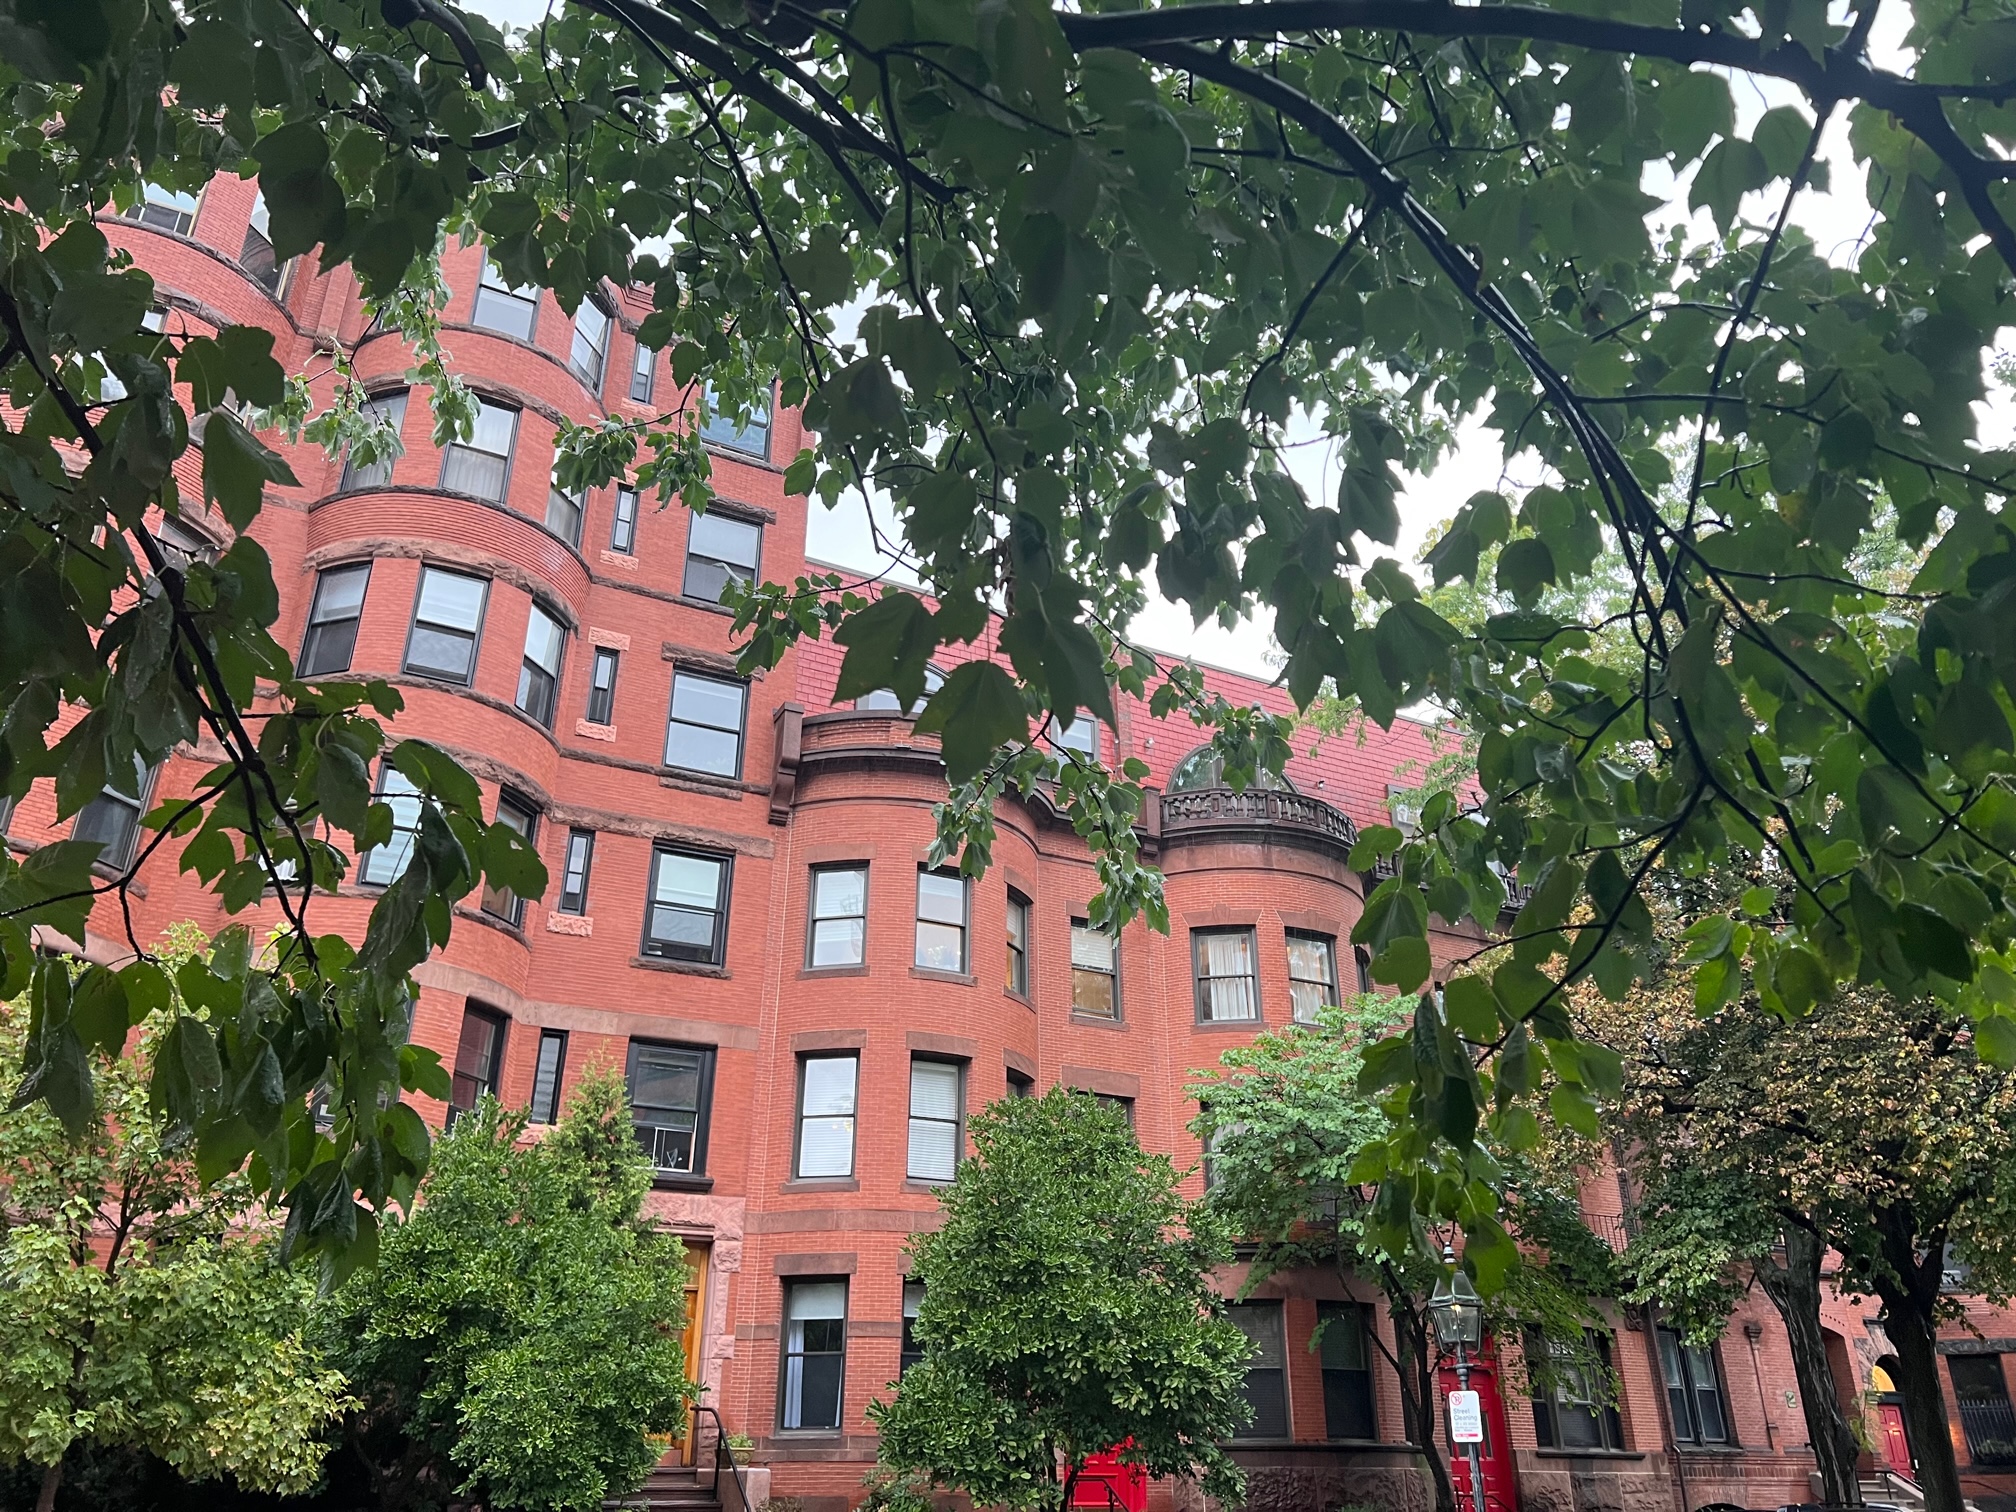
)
(1219, 916)
(931, 974)
(1313, 923)
(820, 1184)
(952, 1046)
(825, 1263)
(1017, 1061)
(870, 1329)
(821, 855)
(829, 1039)
(1093, 1079)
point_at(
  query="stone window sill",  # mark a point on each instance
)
(682, 968)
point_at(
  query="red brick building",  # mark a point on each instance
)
(741, 920)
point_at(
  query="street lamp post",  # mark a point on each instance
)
(1458, 1315)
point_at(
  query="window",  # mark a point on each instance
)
(565, 511)
(574, 872)
(113, 818)
(826, 1115)
(515, 814)
(913, 1299)
(1693, 1390)
(885, 700)
(255, 253)
(687, 919)
(1347, 1371)
(591, 343)
(1214, 1146)
(839, 917)
(546, 1073)
(737, 433)
(446, 621)
(369, 464)
(165, 210)
(1574, 1411)
(481, 466)
(671, 1090)
(1079, 734)
(1312, 975)
(1362, 959)
(1404, 810)
(719, 547)
(1266, 1386)
(332, 620)
(1095, 971)
(1020, 1083)
(182, 544)
(815, 1354)
(1981, 1392)
(1226, 989)
(1124, 1106)
(602, 687)
(623, 528)
(1018, 944)
(503, 309)
(479, 1059)
(643, 372)
(1205, 768)
(705, 730)
(941, 921)
(382, 864)
(539, 673)
(937, 1102)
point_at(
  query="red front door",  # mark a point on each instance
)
(1108, 1485)
(1896, 1446)
(1495, 1453)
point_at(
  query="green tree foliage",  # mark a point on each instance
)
(521, 1334)
(1871, 1128)
(1108, 264)
(1287, 1127)
(1068, 1309)
(141, 1308)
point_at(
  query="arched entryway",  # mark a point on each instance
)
(1893, 1436)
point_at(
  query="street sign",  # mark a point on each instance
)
(1466, 1418)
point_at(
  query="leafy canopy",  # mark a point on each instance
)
(1107, 263)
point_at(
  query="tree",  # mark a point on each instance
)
(1068, 1310)
(522, 1332)
(1871, 1128)
(1111, 267)
(1287, 1128)
(144, 1308)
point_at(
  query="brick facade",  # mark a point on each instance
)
(816, 786)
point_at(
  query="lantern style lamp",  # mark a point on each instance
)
(1455, 1307)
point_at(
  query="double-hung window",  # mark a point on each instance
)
(515, 814)
(910, 1351)
(1266, 1384)
(113, 818)
(1227, 989)
(687, 916)
(815, 1355)
(382, 864)
(839, 934)
(565, 511)
(704, 733)
(1693, 1390)
(547, 1071)
(941, 921)
(574, 870)
(539, 673)
(937, 1105)
(481, 466)
(602, 686)
(338, 605)
(1361, 958)
(671, 1089)
(1078, 734)
(719, 547)
(501, 308)
(255, 253)
(590, 350)
(1312, 975)
(479, 1059)
(368, 463)
(623, 525)
(1347, 1371)
(1095, 971)
(826, 1088)
(1572, 1409)
(743, 433)
(1018, 944)
(165, 209)
(643, 371)
(447, 618)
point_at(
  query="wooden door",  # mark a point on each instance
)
(697, 1254)
(1495, 1453)
(1896, 1443)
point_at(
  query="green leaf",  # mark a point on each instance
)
(1574, 1107)
(888, 645)
(100, 1011)
(1525, 566)
(237, 466)
(1470, 1007)
(1732, 169)
(977, 710)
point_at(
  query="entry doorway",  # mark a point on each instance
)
(698, 1254)
(1893, 1437)
(1495, 1453)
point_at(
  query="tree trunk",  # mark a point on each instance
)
(1908, 1283)
(45, 1501)
(1417, 1397)
(1795, 1292)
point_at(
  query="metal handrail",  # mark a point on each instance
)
(722, 1448)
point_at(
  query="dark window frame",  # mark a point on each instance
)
(349, 481)
(741, 728)
(132, 808)
(1987, 1421)
(311, 641)
(1361, 959)
(501, 290)
(181, 222)
(1118, 1014)
(1200, 982)
(1332, 985)
(550, 1113)
(1365, 1402)
(601, 704)
(1550, 1404)
(708, 1057)
(918, 920)
(729, 569)
(575, 506)
(509, 454)
(622, 526)
(813, 918)
(711, 433)
(1675, 1357)
(1257, 1428)
(501, 902)
(491, 1079)
(799, 1115)
(1020, 1083)
(908, 1350)
(644, 367)
(591, 381)
(543, 711)
(1018, 956)
(784, 1357)
(568, 887)
(380, 793)
(475, 638)
(723, 897)
(958, 1121)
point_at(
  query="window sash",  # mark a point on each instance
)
(1312, 975)
(502, 309)
(935, 1111)
(602, 687)
(574, 872)
(501, 901)
(446, 622)
(383, 865)
(590, 348)
(388, 410)
(719, 547)
(1095, 971)
(686, 910)
(728, 431)
(839, 935)
(481, 466)
(1080, 733)
(546, 1074)
(623, 527)
(910, 1351)
(704, 734)
(1347, 1373)
(643, 373)
(539, 674)
(333, 616)
(564, 513)
(826, 1112)
(813, 1380)
(1266, 1380)
(112, 818)
(941, 922)
(1018, 945)
(670, 1087)
(166, 209)
(479, 1057)
(1228, 990)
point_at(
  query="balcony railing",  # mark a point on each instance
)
(1217, 808)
